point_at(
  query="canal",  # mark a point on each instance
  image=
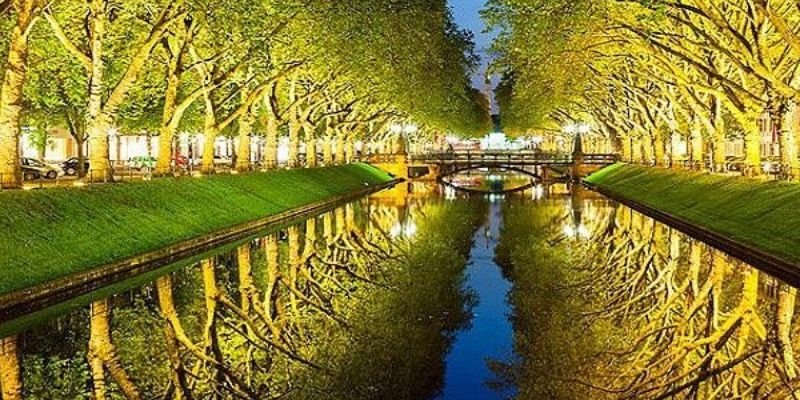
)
(548, 293)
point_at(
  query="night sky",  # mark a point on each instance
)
(467, 16)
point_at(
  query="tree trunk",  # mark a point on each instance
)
(97, 122)
(785, 313)
(627, 149)
(311, 237)
(271, 254)
(788, 143)
(696, 141)
(327, 151)
(340, 154)
(245, 139)
(659, 149)
(103, 353)
(10, 369)
(647, 149)
(752, 148)
(245, 268)
(80, 141)
(210, 132)
(99, 161)
(349, 151)
(294, 261)
(168, 125)
(294, 143)
(294, 127)
(178, 374)
(270, 142)
(11, 95)
(311, 146)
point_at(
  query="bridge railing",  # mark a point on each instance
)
(510, 157)
(382, 158)
(600, 158)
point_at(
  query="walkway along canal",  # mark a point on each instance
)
(397, 296)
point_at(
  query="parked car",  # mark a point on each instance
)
(180, 161)
(223, 160)
(35, 169)
(70, 166)
(141, 163)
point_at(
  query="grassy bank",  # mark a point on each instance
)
(48, 234)
(763, 215)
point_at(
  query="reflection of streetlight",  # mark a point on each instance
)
(579, 231)
(538, 192)
(405, 229)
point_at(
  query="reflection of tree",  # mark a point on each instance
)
(688, 321)
(690, 330)
(394, 345)
(666, 316)
(10, 369)
(284, 316)
(537, 249)
(103, 354)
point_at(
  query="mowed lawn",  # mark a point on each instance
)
(764, 215)
(51, 233)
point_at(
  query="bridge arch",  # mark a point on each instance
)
(457, 170)
(479, 191)
(535, 178)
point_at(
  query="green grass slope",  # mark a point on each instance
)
(764, 215)
(48, 234)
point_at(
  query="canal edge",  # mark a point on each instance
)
(20, 302)
(769, 263)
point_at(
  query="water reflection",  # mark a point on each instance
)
(335, 307)
(492, 180)
(612, 304)
(366, 301)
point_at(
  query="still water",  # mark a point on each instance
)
(489, 336)
(550, 293)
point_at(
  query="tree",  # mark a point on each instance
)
(108, 36)
(25, 13)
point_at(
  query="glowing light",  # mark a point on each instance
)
(405, 230)
(410, 229)
(577, 232)
(396, 230)
(79, 183)
(408, 129)
(449, 193)
(579, 127)
(583, 232)
(495, 197)
(28, 187)
(538, 192)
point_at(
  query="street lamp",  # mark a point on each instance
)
(577, 129)
(403, 131)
